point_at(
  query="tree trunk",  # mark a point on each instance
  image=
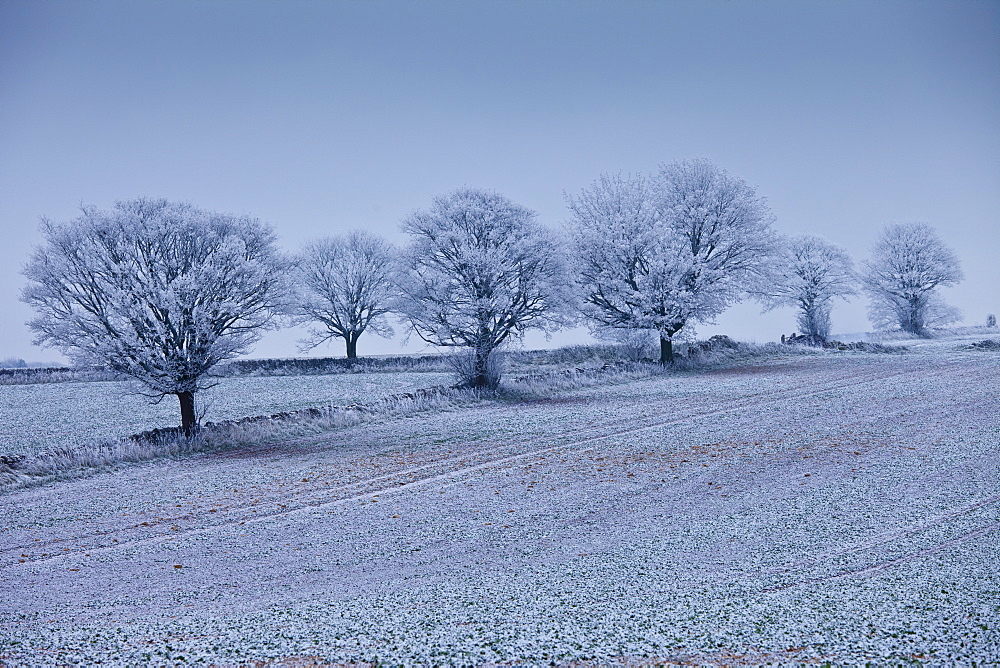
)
(913, 319)
(919, 315)
(187, 413)
(352, 346)
(666, 351)
(482, 375)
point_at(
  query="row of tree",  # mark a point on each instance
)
(162, 291)
(640, 253)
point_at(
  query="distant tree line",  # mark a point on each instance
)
(162, 292)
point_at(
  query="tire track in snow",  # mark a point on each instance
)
(282, 447)
(743, 401)
(912, 556)
(315, 499)
(884, 538)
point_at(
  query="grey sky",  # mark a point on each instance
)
(320, 117)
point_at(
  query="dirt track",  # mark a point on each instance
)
(802, 511)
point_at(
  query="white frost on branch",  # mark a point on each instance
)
(663, 252)
(809, 275)
(479, 271)
(908, 263)
(156, 290)
(344, 288)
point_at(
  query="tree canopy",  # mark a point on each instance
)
(158, 291)
(659, 253)
(344, 288)
(908, 264)
(478, 271)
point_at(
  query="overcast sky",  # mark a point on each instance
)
(321, 117)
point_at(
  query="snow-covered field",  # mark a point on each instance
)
(36, 417)
(841, 507)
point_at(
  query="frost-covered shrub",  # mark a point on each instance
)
(331, 365)
(715, 343)
(30, 376)
(465, 366)
(635, 344)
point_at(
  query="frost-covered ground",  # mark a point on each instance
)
(840, 507)
(37, 417)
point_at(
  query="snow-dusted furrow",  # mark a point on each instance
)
(895, 535)
(841, 509)
(798, 574)
(472, 459)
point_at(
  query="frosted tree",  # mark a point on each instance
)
(908, 263)
(811, 273)
(661, 253)
(344, 288)
(478, 271)
(626, 258)
(158, 291)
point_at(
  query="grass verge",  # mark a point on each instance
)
(67, 462)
